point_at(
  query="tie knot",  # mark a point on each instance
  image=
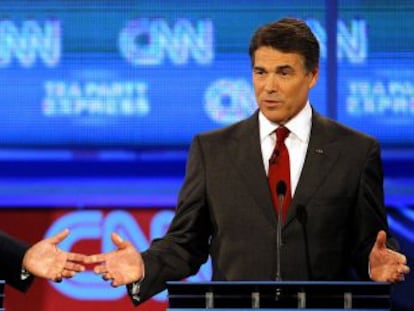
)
(281, 134)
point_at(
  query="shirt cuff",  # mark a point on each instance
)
(24, 274)
(134, 290)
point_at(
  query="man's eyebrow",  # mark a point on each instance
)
(278, 68)
(282, 67)
(258, 67)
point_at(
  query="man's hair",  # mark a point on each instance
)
(288, 35)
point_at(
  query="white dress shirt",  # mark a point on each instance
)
(296, 143)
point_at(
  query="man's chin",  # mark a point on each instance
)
(274, 115)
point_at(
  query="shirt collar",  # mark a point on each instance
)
(300, 125)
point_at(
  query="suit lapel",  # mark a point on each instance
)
(245, 150)
(320, 157)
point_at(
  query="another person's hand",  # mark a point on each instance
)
(121, 266)
(385, 264)
(44, 259)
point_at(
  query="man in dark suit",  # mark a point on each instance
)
(19, 263)
(335, 227)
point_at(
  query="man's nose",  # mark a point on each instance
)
(271, 84)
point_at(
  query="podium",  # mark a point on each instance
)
(269, 296)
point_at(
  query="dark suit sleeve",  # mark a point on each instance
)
(11, 257)
(185, 246)
(370, 213)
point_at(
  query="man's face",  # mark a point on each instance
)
(281, 83)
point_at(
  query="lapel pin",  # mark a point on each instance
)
(319, 151)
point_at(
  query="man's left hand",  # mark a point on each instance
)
(385, 264)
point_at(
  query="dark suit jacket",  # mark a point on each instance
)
(225, 210)
(11, 257)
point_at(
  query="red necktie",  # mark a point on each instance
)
(279, 170)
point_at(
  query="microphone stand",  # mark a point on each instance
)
(281, 198)
(280, 191)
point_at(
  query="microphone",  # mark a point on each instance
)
(302, 217)
(281, 192)
(274, 156)
(281, 189)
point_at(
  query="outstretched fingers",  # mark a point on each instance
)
(57, 238)
(73, 266)
(100, 269)
(76, 257)
(118, 241)
(381, 241)
(68, 273)
(97, 258)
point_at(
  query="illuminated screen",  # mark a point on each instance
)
(130, 73)
(138, 74)
(376, 69)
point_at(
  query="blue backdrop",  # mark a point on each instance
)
(100, 99)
